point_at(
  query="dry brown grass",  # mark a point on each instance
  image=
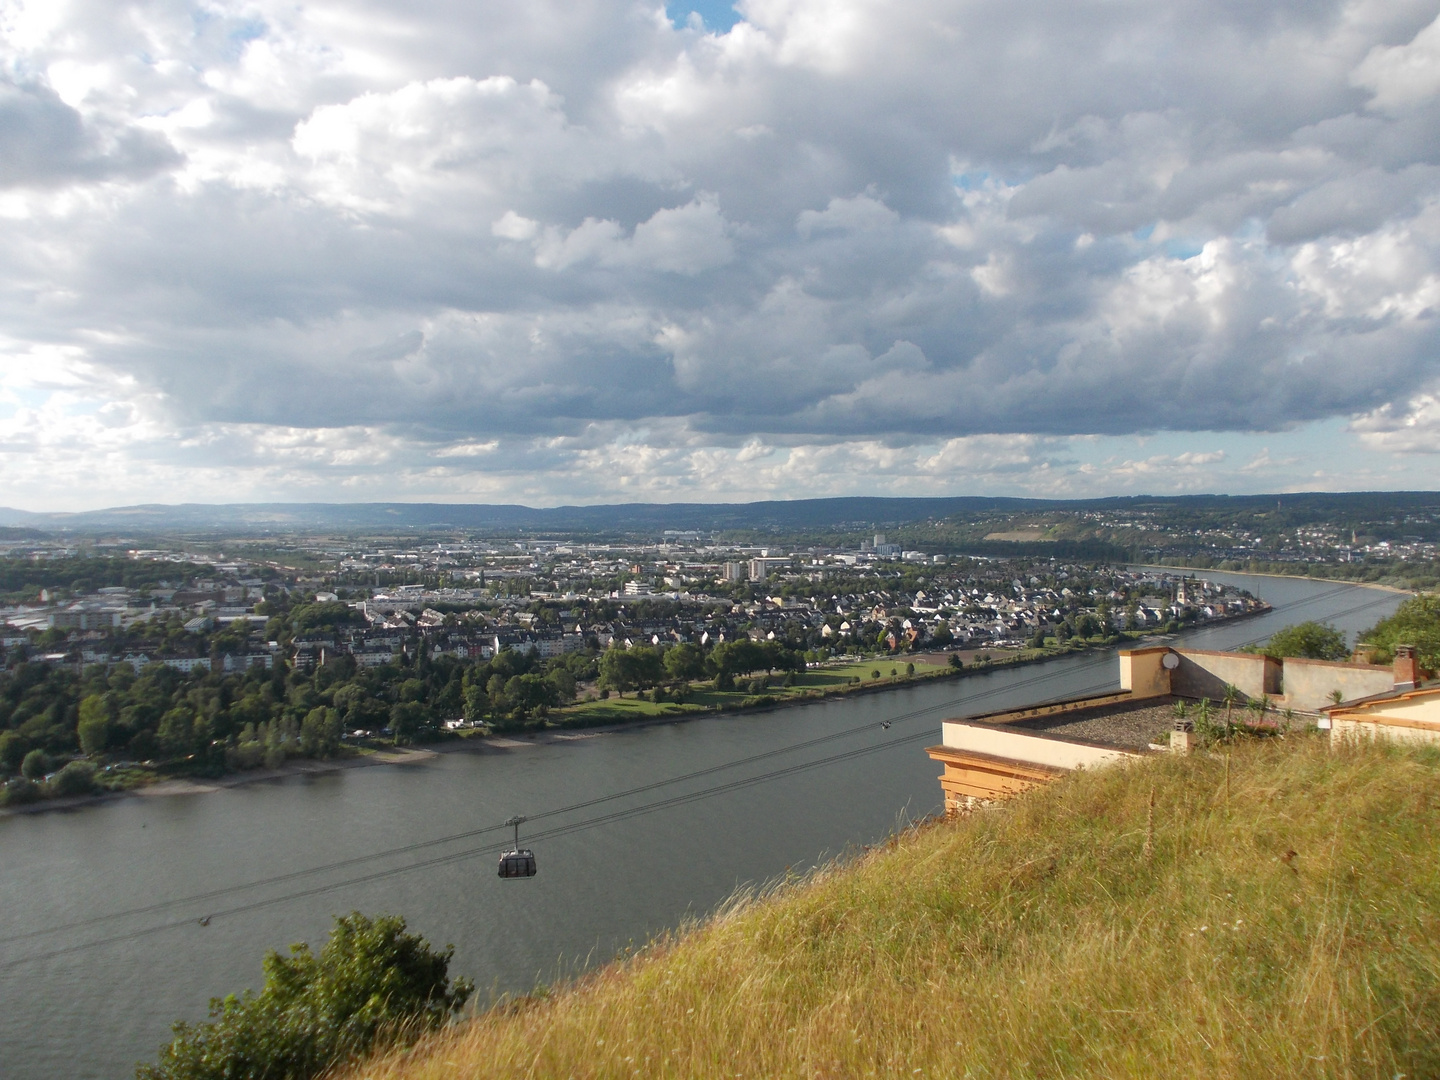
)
(1296, 935)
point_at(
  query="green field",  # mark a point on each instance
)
(703, 697)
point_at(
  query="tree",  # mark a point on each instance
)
(76, 778)
(561, 678)
(307, 618)
(35, 765)
(530, 694)
(176, 732)
(372, 985)
(1308, 640)
(13, 747)
(320, 733)
(1415, 622)
(477, 703)
(685, 662)
(409, 721)
(94, 726)
(630, 669)
(616, 670)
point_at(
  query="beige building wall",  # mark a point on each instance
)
(1351, 729)
(1308, 684)
(1041, 750)
(1202, 673)
(1143, 672)
(1412, 716)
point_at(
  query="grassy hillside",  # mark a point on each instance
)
(1077, 933)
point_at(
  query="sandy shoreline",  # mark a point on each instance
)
(187, 786)
(1283, 577)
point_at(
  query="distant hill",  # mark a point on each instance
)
(852, 512)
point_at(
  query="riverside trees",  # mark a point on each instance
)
(212, 721)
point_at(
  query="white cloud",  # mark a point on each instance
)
(511, 226)
(687, 239)
(1410, 427)
(1403, 75)
(351, 243)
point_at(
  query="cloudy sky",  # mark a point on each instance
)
(602, 250)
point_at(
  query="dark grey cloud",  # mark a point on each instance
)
(46, 143)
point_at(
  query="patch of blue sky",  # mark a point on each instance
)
(29, 397)
(1183, 247)
(1143, 233)
(971, 181)
(247, 29)
(238, 32)
(717, 15)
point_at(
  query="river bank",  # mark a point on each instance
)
(561, 732)
(1281, 577)
(185, 785)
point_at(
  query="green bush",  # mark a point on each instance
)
(35, 765)
(1309, 641)
(20, 791)
(76, 778)
(372, 985)
(1415, 622)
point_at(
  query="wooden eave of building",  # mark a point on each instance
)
(1358, 709)
(970, 774)
(1371, 710)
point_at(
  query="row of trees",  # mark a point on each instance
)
(640, 667)
(212, 721)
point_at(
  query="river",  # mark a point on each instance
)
(91, 998)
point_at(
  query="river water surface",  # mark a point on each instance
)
(85, 994)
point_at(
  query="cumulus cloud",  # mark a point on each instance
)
(1411, 427)
(856, 236)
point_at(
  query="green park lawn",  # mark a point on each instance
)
(702, 697)
(836, 676)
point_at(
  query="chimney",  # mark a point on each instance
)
(1407, 671)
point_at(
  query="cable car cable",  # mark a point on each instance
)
(585, 804)
(604, 819)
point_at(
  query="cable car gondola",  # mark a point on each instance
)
(518, 862)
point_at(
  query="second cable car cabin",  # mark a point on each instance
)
(518, 862)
